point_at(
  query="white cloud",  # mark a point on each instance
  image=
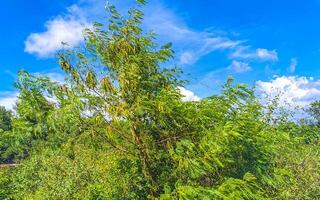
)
(8, 99)
(187, 58)
(292, 90)
(67, 28)
(246, 52)
(188, 95)
(205, 47)
(239, 67)
(293, 65)
(265, 54)
(190, 44)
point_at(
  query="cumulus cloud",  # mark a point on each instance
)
(67, 28)
(292, 90)
(188, 95)
(239, 67)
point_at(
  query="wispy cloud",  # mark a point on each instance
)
(246, 52)
(293, 65)
(239, 67)
(191, 45)
(207, 46)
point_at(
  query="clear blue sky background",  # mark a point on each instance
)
(249, 39)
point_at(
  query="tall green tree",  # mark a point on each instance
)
(5, 119)
(118, 129)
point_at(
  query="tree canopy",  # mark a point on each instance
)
(117, 128)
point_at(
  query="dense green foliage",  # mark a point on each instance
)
(5, 119)
(118, 129)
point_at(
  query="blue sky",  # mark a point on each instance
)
(271, 44)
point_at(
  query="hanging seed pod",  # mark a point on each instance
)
(65, 65)
(106, 85)
(91, 81)
(64, 88)
(75, 75)
(81, 87)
